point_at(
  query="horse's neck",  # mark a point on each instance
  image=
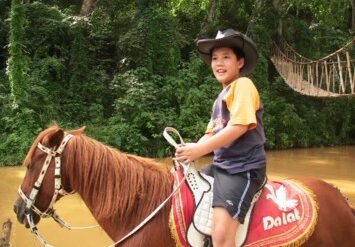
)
(122, 190)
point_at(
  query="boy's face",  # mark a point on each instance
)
(225, 65)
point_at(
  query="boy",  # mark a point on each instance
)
(235, 134)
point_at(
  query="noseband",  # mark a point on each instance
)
(58, 190)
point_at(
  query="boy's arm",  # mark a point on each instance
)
(224, 137)
(205, 137)
(193, 151)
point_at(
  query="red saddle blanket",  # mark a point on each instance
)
(183, 207)
(285, 214)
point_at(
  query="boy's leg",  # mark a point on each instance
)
(224, 228)
(232, 195)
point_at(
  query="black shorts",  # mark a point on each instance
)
(234, 192)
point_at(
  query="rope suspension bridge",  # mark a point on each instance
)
(330, 76)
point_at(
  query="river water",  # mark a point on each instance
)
(335, 165)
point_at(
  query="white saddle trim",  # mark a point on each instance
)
(201, 224)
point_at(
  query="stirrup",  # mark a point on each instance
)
(207, 242)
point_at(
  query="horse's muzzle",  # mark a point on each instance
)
(20, 211)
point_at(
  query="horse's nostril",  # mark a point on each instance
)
(15, 208)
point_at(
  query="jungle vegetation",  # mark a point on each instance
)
(126, 69)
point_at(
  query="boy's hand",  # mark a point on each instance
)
(189, 153)
(192, 151)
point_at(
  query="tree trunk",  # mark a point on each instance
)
(209, 20)
(277, 4)
(353, 17)
(17, 62)
(87, 6)
(253, 17)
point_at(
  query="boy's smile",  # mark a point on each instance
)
(225, 65)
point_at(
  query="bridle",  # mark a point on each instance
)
(58, 190)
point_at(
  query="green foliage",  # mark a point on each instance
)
(302, 121)
(152, 42)
(146, 103)
(18, 61)
(4, 97)
(17, 137)
(63, 70)
(4, 30)
(283, 125)
(137, 110)
(235, 14)
(130, 69)
(264, 19)
(317, 28)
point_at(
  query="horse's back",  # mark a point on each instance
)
(336, 219)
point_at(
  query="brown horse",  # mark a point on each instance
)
(121, 190)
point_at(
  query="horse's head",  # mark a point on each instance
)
(43, 184)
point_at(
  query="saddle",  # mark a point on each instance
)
(284, 213)
(200, 186)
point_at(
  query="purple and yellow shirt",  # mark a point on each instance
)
(239, 103)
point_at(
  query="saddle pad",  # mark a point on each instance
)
(285, 215)
(182, 209)
(204, 213)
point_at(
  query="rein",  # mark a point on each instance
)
(58, 190)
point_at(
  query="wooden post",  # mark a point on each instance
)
(6, 232)
(342, 86)
(349, 70)
(317, 82)
(333, 76)
(326, 75)
(302, 75)
(321, 76)
(309, 78)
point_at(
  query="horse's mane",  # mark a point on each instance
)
(112, 183)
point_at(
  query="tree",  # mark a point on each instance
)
(88, 6)
(17, 62)
(210, 18)
(128, 68)
(353, 16)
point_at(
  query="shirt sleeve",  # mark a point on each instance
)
(209, 128)
(242, 102)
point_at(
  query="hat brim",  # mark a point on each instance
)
(205, 46)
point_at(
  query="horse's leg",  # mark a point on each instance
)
(336, 219)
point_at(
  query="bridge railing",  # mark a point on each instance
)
(332, 75)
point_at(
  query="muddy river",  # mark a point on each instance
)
(335, 165)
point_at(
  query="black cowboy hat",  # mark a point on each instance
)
(230, 38)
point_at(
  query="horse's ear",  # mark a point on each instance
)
(77, 132)
(54, 139)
